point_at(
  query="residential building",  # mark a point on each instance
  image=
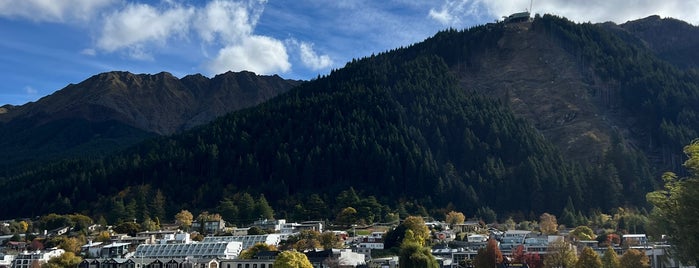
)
(247, 240)
(203, 250)
(335, 258)
(26, 258)
(209, 226)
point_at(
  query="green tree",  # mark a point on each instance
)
(486, 214)
(256, 248)
(634, 258)
(414, 255)
(228, 210)
(676, 208)
(588, 259)
(560, 253)
(292, 259)
(130, 228)
(184, 218)
(583, 233)
(347, 216)
(610, 259)
(255, 230)
(264, 209)
(150, 225)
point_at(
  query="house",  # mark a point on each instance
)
(91, 249)
(633, 240)
(477, 238)
(209, 226)
(468, 227)
(26, 259)
(274, 225)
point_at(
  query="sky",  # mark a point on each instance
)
(47, 44)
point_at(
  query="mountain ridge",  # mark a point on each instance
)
(148, 105)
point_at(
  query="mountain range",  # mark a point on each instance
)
(111, 111)
(520, 118)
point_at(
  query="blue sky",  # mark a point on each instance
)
(48, 44)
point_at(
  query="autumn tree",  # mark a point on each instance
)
(518, 254)
(533, 260)
(634, 258)
(103, 236)
(292, 259)
(328, 240)
(184, 218)
(71, 244)
(418, 227)
(560, 253)
(489, 256)
(548, 224)
(394, 238)
(67, 259)
(252, 251)
(588, 259)
(454, 218)
(304, 240)
(610, 259)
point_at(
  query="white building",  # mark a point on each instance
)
(6, 260)
(26, 259)
(247, 240)
(203, 250)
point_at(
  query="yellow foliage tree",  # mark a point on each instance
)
(292, 259)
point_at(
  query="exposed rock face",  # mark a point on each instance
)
(138, 106)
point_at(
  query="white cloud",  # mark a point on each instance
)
(228, 20)
(30, 90)
(259, 54)
(140, 25)
(88, 52)
(311, 59)
(581, 11)
(52, 10)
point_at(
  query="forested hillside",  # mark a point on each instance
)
(395, 133)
